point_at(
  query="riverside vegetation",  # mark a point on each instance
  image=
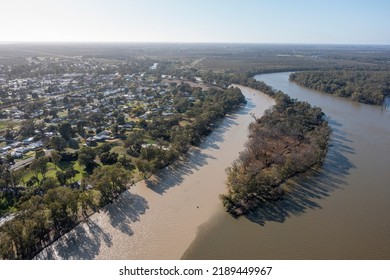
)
(364, 86)
(53, 204)
(289, 139)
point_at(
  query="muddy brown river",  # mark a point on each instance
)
(339, 211)
(159, 218)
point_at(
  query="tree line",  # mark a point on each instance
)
(47, 211)
(365, 86)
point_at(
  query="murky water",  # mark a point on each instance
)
(386, 104)
(159, 218)
(339, 211)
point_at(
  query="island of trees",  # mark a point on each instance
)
(365, 86)
(289, 139)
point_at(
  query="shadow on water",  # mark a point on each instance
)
(85, 240)
(174, 174)
(126, 210)
(311, 186)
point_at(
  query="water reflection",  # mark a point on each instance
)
(386, 104)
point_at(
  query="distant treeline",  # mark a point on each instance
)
(365, 86)
(289, 139)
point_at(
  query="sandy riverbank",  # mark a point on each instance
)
(159, 218)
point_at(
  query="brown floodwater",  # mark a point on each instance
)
(159, 218)
(338, 211)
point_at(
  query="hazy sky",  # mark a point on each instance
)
(245, 21)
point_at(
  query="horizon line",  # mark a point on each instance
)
(188, 43)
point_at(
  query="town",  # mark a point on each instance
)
(96, 99)
(86, 128)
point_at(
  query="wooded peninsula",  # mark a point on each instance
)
(289, 139)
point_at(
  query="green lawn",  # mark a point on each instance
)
(63, 113)
(29, 173)
(149, 141)
(119, 149)
(184, 123)
(5, 123)
(51, 170)
(28, 155)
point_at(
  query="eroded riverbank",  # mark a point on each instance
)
(159, 218)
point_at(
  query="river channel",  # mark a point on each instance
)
(338, 211)
(159, 218)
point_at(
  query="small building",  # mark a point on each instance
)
(28, 141)
(16, 154)
(5, 149)
(16, 144)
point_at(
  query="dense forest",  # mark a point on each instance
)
(365, 86)
(290, 138)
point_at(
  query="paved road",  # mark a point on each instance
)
(26, 162)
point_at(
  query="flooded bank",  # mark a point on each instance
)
(159, 218)
(339, 211)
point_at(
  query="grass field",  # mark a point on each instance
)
(119, 149)
(51, 171)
